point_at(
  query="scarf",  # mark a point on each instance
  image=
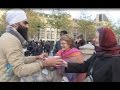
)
(68, 53)
(11, 30)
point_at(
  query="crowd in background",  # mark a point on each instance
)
(38, 47)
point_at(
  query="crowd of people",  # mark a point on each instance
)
(67, 63)
(38, 47)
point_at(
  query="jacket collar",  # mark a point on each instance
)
(14, 32)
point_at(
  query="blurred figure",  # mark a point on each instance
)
(79, 41)
(29, 48)
(40, 48)
(47, 47)
(42, 43)
(57, 45)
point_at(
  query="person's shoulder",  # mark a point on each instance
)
(115, 61)
(75, 52)
(76, 49)
(59, 52)
(116, 57)
(8, 38)
(109, 57)
(58, 41)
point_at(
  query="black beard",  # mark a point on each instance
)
(23, 32)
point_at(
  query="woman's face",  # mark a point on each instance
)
(96, 39)
(64, 45)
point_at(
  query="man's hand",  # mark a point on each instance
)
(42, 56)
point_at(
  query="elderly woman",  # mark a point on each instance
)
(71, 54)
(104, 65)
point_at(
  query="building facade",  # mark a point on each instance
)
(101, 20)
(49, 34)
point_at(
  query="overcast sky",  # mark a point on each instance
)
(113, 14)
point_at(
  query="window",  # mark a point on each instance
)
(53, 34)
(42, 34)
(48, 35)
(58, 35)
(100, 17)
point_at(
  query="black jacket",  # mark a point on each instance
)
(57, 47)
(80, 43)
(106, 68)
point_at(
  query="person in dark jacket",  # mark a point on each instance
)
(57, 45)
(79, 41)
(104, 65)
(40, 48)
(47, 47)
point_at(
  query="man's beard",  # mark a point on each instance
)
(23, 32)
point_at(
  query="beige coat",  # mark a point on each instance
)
(11, 52)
